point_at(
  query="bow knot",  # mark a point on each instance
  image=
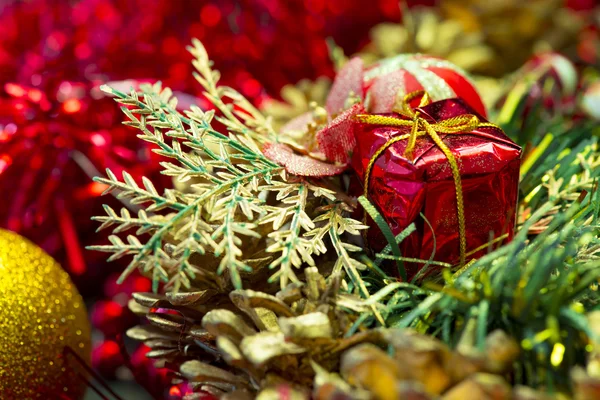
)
(420, 126)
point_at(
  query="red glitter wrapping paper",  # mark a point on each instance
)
(489, 167)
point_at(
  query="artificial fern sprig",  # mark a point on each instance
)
(235, 196)
(208, 157)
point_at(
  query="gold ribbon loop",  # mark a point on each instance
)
(421, 127)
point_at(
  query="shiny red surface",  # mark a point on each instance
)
(489, 166)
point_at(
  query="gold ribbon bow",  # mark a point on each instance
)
(421, 127)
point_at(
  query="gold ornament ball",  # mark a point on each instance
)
(41, 313)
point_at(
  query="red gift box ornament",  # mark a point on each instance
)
(444, 161)
(320, 143)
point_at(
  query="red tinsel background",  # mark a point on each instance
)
(57, 129)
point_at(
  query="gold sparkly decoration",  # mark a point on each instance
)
(490, 38)
(426, 31)
(40, 314)
(515, 30)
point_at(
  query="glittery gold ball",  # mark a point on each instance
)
(41, 313)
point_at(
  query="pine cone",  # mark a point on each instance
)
(274, 340)
(211, 326)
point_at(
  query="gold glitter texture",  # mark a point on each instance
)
(40, 313)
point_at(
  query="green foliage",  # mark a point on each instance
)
(538, 292)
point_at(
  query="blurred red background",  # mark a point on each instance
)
(57, 129)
